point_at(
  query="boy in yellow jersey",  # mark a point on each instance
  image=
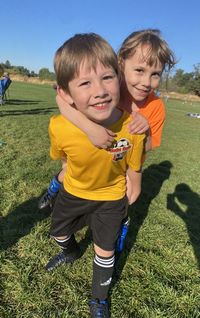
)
(142, 58)
(94, 188)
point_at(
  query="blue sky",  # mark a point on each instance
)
(31, 31)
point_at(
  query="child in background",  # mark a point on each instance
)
(87, 75)
(142, 58)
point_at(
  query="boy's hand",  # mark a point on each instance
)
(98, 135)
(139, 124)
(101, 137)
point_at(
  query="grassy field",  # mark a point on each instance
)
(157, 274)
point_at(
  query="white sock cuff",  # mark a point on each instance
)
(62, 241)
(104, 262)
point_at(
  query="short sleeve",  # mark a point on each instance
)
(135, 159)
(55, 152)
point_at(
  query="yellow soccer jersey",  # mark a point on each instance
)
(93, 173)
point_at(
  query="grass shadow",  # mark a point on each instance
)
(19, 222)
(35, 111)
(152, 181)
(21, 102)
(183, 194)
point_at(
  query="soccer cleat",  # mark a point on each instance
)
(46, 200)
(122, 236)
(63, 258)
(99, 309)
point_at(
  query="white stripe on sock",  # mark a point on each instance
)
(104, 262)
(62, 241)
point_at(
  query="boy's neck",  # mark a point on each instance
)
(128, 103)
(115, 116)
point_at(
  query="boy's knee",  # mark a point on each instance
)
(60, 238)
(103, 253)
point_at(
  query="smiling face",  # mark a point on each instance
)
(95, 92)
(140, 77)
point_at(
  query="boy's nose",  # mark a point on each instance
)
(99, 90)
(146, 81)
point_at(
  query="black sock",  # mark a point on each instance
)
(68, 245)
(102, 276)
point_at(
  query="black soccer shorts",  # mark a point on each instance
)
(71, 213)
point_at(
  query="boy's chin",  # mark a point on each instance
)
(108, 119)
(100, 120)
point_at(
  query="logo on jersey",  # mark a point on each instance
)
(120, 148)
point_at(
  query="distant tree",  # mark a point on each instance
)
(195, 84)
(33, 74)
(45, 74)
(1, 70)
(181, 81)
(23, 70)
(166, 81)
(7, 64)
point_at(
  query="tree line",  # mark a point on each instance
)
(43, 74)
(182, 82)
(178, 81)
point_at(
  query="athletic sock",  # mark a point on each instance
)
(102, 275)
(68, 245)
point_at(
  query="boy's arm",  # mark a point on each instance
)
(98, 135)
(64, 163)
(140, 125)
(133, 185)
(148, 142)
(133, 173)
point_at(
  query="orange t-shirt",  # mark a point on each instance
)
(154, 112)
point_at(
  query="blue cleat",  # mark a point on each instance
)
(99, 309)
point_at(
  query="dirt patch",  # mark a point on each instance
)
(183, 97)
(35, 80)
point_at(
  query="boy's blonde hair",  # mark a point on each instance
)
(88, 47)
(158, 48)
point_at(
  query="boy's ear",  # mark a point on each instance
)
(65, 96)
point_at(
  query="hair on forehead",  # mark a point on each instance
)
(157, 48)
(81, 48)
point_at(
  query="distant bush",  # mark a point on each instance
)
(45, 74)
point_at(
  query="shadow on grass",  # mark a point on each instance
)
(191, 215)
(19, 222)
(152, 181)
(21, 102)
(34, 111)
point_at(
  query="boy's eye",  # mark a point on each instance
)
(84, 83)
(157, 75)
(108, 77)
(138, 70)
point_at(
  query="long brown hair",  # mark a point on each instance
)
(158, 48)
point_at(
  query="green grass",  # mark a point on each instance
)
(158, 273)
